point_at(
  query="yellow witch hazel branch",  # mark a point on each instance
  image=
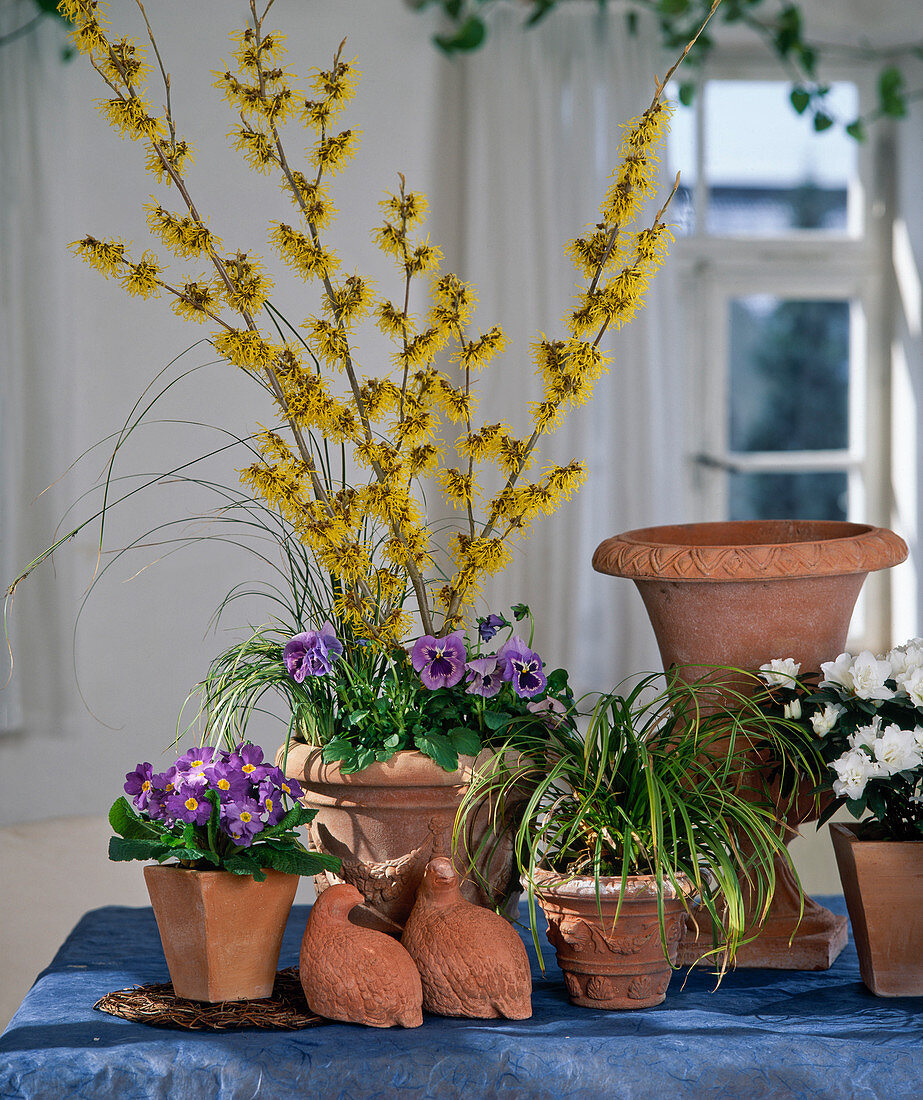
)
(373, 538)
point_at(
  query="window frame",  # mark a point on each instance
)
(805, 264)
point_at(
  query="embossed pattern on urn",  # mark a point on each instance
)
(609, 962)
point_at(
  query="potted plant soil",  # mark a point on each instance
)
(221, 907)
(641, 824)
(865, 718)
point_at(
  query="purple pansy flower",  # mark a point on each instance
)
(522, 667)
(551, 710)
(241, 821)
(484, 677)
(249, 760)
(488, 627)
(312, 653)
(139, 785)
(188, 803)
(440, 661)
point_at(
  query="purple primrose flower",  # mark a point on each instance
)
(291, 787)
(312, 653)
(488, 627)
(484, 677)
(188, 803)
(440, 661)
(270, 801)
(194, 767)
(241, 821)
(229, 781)
(139, 785)
(249, 760)
(522, 667)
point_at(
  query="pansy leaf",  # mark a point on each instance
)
(465, 741)
(494, 720)
(439, 748)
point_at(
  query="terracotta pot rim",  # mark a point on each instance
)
(551, 884)
(211, 872)
(849, 831)
(749, 550)
(407, 768)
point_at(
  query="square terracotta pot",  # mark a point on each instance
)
(883, 884)
(221, 933)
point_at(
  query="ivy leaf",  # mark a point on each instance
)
(468, 36)
(686, 93)
(788, 30)
(857, 130)
(822, 121)
(439, 748)
(891, 92)
(540, 9)
(800, 98)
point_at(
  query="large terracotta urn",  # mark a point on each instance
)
(386, 822)
(740, 594)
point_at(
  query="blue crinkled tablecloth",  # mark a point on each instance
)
(763, 1033)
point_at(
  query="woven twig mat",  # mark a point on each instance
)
(158, 1006)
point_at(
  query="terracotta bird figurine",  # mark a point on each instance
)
(353, 974)
(471, 961)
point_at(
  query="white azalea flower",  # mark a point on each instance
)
(824, 720)
(896, 750)
(918, 737)
(865, 736)
(906, 658)
(911, 682)
(854, 769)
(780, 671)
(868, 677)
(838, 673)
(792, 710)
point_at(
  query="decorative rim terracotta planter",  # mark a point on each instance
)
(883, 884)
(609, 963)
(221, 933)
(386, 822)
(739, 594)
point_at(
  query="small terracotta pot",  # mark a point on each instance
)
(883, 884)
(612, 963)
(221, 933)
(386, 822)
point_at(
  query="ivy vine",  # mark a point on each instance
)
(781, 31)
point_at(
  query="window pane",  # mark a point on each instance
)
(789, 374)
(788, 496)
(768, 171)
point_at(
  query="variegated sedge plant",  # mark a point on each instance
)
(362, 521)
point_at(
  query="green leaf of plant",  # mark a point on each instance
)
(822, 121)
(121, 849)
(468, 36)
(856, 130)
(494, 720)
(439, 748)
(800, 98)
(298, 862)
(128, 824)
(687, 93)
(465, 741)
(243, 864)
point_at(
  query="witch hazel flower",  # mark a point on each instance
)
(521, 667)
(312, 653)
(440, 661)
(483, 677)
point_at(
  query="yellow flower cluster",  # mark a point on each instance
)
(373, 538)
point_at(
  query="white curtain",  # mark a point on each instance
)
(530, 133)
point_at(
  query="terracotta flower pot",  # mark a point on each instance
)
(740, 594)
(609, 963)
(386, 822)
(883, 884)
(221, 933)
